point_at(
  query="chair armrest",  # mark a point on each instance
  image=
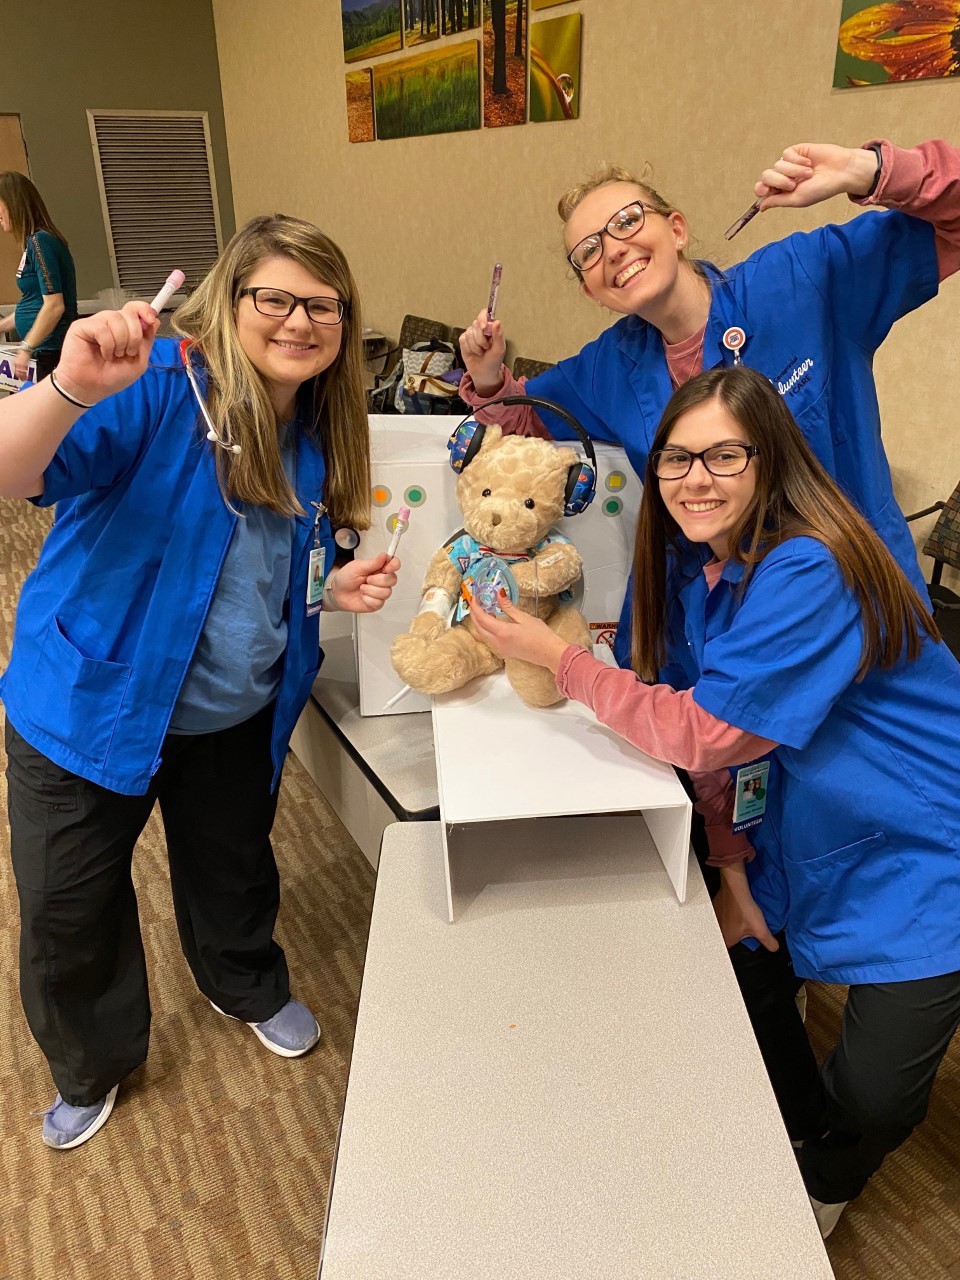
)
(927, 511)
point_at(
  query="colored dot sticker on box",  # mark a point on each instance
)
(415, 496)
(612, 506)
(616, 480)
(381, 496)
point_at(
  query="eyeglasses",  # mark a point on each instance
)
(719, 460)
(625, 223)
(279, 303)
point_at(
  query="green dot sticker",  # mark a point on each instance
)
(381, 496)
(415, 496)
(615, 481)
(612, 506)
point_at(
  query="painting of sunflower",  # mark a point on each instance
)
(898, 40)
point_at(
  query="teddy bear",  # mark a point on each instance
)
(511, 495)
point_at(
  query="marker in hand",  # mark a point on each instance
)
(742, 221)
(170, 286)
(403, 520)
(494, 292)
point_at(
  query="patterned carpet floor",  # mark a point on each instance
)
(215, 1163)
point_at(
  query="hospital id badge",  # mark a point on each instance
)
(750, 800)
(315, 580)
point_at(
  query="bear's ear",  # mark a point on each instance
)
(492, 435)
(569, 457)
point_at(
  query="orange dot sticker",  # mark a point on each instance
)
(381, 496)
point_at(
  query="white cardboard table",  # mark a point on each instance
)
(563, 1084)
(499, 761)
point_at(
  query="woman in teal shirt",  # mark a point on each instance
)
(46, 277)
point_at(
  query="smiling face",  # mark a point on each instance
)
(631, 275)
(708, 507)
(288, 350)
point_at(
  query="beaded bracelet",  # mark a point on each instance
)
(66, 394)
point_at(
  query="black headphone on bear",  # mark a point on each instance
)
(464, 445)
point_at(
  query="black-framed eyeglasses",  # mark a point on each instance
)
(626, 222)
(725, 459)
(279, 303)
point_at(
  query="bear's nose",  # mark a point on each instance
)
(495, 520)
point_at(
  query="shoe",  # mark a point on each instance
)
(66, 1126)
(291, 1031)
(827, 1215)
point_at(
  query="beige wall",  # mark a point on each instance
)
(61, 58)
(707, 103)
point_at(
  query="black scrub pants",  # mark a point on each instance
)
(875, 1086)
(83, 978)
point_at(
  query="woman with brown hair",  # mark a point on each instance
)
(46, 276)
(168, 640)
(788, 646)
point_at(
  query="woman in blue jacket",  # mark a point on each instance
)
(790, 647)
(168, 639)
(809, 312)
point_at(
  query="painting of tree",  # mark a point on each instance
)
(504, 62)
(421, 21)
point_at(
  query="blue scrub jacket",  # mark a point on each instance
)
(858, 854)
(108, 621)
(814, 307)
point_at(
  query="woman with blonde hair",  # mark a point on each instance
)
(809, 312)
(45, 276)
(785, 644)
(168, 639)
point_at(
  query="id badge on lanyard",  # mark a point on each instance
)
(750, 800)
(316, 567)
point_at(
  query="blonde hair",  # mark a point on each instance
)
(238, 395)
(604, 177)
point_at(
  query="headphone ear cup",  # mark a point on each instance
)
(581, 487)
(464, 444)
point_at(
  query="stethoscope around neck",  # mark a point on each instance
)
(213, 435)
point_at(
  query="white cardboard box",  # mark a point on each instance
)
(501, 762)
(410, 467)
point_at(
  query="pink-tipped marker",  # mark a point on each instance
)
(403, 519)
(170, 286)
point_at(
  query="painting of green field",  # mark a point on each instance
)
(433, 92)
(369, 27)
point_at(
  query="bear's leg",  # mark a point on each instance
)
(438, 664)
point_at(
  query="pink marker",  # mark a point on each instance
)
(494, 292)
(172, 283)
(403, 519)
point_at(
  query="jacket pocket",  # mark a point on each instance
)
(855, 906)
(74, 698)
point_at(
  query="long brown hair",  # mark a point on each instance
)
(25, 205)
(238, 398)
(794, 497)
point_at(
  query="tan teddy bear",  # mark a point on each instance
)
(511, 495)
